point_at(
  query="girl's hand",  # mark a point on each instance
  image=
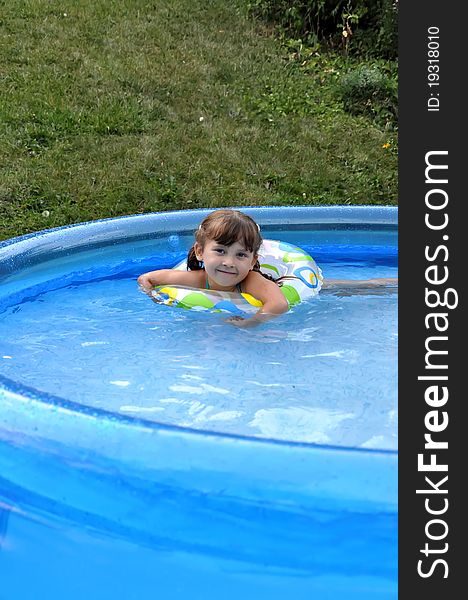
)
(148, 281)
(241, 322)
(253, 321)
(145, 283)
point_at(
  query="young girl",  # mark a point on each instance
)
(224, 257)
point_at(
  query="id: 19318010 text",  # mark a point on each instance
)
(433, 68)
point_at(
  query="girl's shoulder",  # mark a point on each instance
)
(199, 278)
(255, 282)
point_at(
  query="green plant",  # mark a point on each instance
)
(387, 37)
(369, 91)
(349, 19)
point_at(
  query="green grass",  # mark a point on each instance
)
(112, 107)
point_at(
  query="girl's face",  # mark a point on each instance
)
(225, 266)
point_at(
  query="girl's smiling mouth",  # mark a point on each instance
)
(226, 272)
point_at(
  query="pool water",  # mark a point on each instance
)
(326, 372)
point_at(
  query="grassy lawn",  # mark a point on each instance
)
(113, 107)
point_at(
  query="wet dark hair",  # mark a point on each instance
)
(227, 227)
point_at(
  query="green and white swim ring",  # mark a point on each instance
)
(303, 279)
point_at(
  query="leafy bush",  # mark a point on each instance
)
(360, 26)
(379, 37)
(369, 91)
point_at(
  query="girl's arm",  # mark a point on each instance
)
(269, 293)
(351, 287)
(360, 283)
(168, 277)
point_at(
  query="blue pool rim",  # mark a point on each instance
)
(15, 253)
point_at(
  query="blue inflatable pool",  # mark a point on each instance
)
(103, 498)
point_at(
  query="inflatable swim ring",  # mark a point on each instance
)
(303, 279)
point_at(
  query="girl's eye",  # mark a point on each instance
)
(242, 255)
(219, 250)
